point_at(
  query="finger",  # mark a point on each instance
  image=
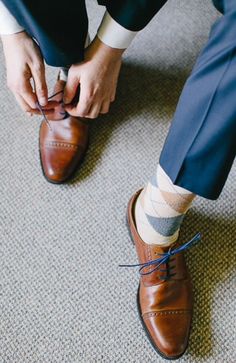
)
(26, 108)
(105, 107)
(23, 104)
(94, 111)
(51, 105)
(40, 85)
(26, 92)
(58, 91)
(50, 115)
(113, 96)
(83, 106)
(70, 88)
(73, 111)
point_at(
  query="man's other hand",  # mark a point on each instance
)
(96, 80)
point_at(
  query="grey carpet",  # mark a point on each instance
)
(63, 297)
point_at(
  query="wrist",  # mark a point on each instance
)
(98, 48)
(15, 36)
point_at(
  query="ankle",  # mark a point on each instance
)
(141, 225)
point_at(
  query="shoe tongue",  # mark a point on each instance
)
(162, 249)
(59, 120)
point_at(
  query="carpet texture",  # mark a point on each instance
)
(63, 298)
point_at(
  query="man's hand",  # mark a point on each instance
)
(23, 62)
(96, 77)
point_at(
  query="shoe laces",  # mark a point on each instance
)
(40, 108)
(165, 258)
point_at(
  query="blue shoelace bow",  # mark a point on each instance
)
(165, 256)
(65, 114)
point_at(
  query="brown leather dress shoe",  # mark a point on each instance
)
(165, 298)
(62, 142)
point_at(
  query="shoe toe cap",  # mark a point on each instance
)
(169, 331)
(59, 165)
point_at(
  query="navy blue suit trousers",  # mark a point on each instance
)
(201, 144)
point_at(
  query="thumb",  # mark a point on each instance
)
(70, 88)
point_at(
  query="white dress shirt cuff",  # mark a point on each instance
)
(8, 24)
(113, 34)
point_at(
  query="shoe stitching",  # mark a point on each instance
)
(168, 312)
(56, 144)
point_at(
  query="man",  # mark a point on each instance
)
(61, 40)
(196, 159)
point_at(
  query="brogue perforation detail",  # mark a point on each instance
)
(167, 312)
(59, 144)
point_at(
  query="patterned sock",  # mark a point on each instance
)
(160, 210)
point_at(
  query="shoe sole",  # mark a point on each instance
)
(139, 308)
(72, 174)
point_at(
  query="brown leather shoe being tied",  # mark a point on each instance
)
(164, 298)
(63, 142)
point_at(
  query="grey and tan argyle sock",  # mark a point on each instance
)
(160, 210)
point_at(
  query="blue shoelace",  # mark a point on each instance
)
(165, 257)
(40, 108)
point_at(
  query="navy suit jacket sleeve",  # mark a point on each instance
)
(133, 14)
